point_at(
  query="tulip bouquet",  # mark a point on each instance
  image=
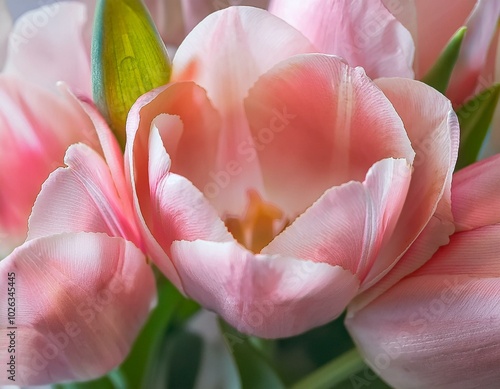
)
(250, 194)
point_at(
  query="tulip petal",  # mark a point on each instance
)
(481, 27)
(180, 210)
(81, 197)
(349, 224)
(168, 18)
(208, 51)
(181, 120)
(36, 127)
(431, 24)
(195, 11)
(37, 53)
(264, 295)
(475, 194)
(438, 328)
(81, 300)
(107, 142)
(323, 123)
(204, 57)
(432, 127)
(189, 139)
(364, 33)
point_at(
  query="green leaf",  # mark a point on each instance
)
(254, 369)
(439, 75)
(148, 344)
(128, 59)
(475, 118)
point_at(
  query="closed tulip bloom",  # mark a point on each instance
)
(274, 189)
(401, 38)
(439, 326)
(432, 24)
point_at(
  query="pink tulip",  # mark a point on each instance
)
(37, 124)
(439, 327)
(82, 289)
(432, 23)
(38, 53)
(36, 128)
(367, 34)
(274, 189)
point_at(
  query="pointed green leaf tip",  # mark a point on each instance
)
(128, 59)
(439, 75)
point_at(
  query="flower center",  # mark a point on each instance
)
(260, 224)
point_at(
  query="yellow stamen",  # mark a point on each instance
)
(258, 226)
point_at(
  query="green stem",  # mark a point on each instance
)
(334, 372)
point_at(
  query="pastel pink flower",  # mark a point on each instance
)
(275, 189)
(36, 128)
(364, 33)
(432, 23)
(400, 38)
(82, 286)
(37, 53)
(439, 326)
(37, 123)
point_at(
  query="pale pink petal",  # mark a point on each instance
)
(431, 24)
(188, 125)
(481, 27)
(318, 123)
(256, 42)
(179, 210)
(209, 51)
(476, 200)
(365, 33)
(51, 44)
(80, 299)
(36, 127)
(195, 11)
(107, 143)
(264, 295)
(81, 197)
(432, 127)
(190, 131)
(438, 328)
(5, 27)
(349, 224)
(168, 18)
(470, 253)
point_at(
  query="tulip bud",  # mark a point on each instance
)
(128, 59)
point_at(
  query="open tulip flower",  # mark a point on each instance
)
(274, 189)
(37, 123)
(36, 128)
(82, 286)
(439, 327)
